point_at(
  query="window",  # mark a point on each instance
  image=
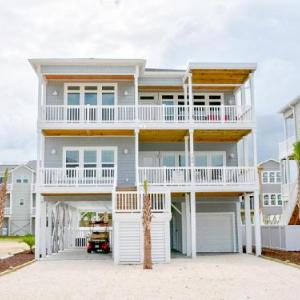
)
(266, 199)
(21, 202)
(278, 177)
(271, 177)
(25, 180)
(272, 199)
(1, 179)
(19, 180)
(107, 159)
(72, 159)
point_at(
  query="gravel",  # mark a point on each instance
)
(206, 277)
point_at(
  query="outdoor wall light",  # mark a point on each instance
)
(232, 155)
(125, 93)
(53, 151)
(125, 151)
(231, 101)
(54, 93)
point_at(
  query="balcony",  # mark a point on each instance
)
(88, 116)
(77, 179)
(198, 176)
(286, 147)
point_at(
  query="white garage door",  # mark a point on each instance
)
(215, 232)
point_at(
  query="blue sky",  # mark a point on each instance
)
(166, 33)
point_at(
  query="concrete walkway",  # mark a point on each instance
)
(206, 277)
(10, 247)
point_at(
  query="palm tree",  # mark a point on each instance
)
(296, 156)
(3, 190)
(147, 228)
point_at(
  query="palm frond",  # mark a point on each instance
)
(296, 151)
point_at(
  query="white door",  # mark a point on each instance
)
(215, 232)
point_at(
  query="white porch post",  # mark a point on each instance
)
(243, 95)
(248, 225)
(183, 227)
(245, 151)
(186, 151)
(136, 92)
(49, 228)
(188, 225)
(257, 224)
(239, 226)
(287, 164)
(136, 140)
(43, 231)
(190, 96)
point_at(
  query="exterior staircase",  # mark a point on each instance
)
(290, 214)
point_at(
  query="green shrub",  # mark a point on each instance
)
(29, 240)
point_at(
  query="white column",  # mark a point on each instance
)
(42, 224)
(251, 83)
(183, 227)
(257, 224)
(239, 226)
(37, 225)
(248, 225)
(190, 96)
(136, 91)
(193, 224)
(136, 140)
(186, 150)
(188, 225)
(243, 95)
(245, 151)
(49, 228)
(192, 159)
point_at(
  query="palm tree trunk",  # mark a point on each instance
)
(147, 232)
(3, 191)
(298, 189)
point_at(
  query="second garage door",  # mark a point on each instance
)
(215, 232)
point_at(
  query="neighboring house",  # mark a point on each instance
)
(19, 211)
(291, 122)
(270, 193)
(107, 125)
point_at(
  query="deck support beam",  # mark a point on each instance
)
(257, 224)
(188, 225)
(248, 225)
(136, 148)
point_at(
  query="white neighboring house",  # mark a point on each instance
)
(19, 211)
(106, 125)
(291, 123)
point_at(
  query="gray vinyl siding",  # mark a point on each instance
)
(21, 214)
(229, 148)
(160, 81)
(125, 162)
(269, 210)
(77, 69)
(270, 165)
(58, 86)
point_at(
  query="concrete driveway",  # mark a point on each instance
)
(206, 277)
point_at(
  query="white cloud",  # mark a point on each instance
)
(166, 33)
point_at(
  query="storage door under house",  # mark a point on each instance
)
(129, 238)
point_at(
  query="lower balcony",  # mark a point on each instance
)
(210, 178)
(68, 180)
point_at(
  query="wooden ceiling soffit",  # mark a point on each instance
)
(218, 194)
(149, 88)
(162, 135)
(90, 77)
(219, 135)
(87, 132)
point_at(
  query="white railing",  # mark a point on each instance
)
(163, 113)
(289, 193)
(146, 113)
(33, 211)
(202, 176)
(224, 175)
(7, 211)
(78, 176)
(222, 114)
(88, 113)
(133, 202)
(286, 147)
(165, 175)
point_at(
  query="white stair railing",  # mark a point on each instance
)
(289, 196)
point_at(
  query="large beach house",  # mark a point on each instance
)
(105, 126)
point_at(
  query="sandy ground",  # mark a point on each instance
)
(11, 247)
(206, 277)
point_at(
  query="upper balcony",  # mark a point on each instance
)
(146, 116)
(286, 147)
